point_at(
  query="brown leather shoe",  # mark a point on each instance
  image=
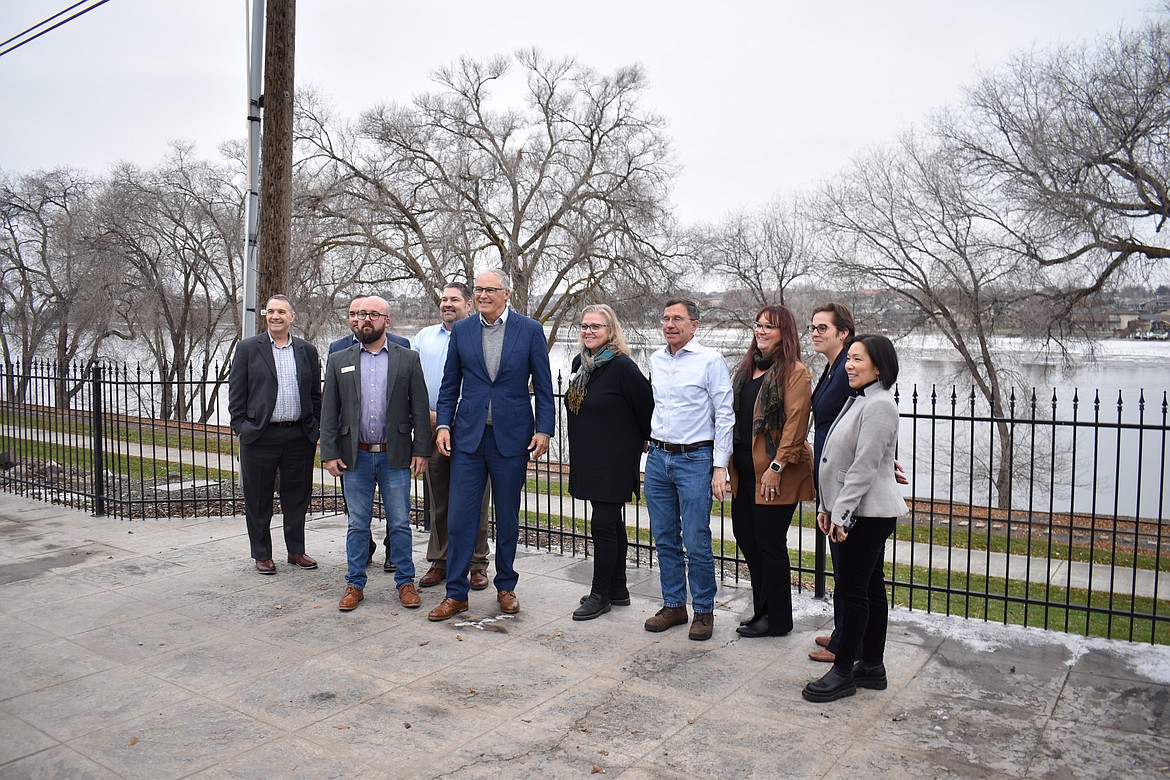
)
(823, 641)
(824, 656)
(408, 595)
(266, 567)
(702, 626)
(433, 577)
(351, 598)
(479, 580)
(508, 601)
(667, 617)
(302, 561)
(447, 608)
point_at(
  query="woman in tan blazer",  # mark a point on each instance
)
(771, 464)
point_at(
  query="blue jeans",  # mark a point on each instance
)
(394, 484)
(678, 498)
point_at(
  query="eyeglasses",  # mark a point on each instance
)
(488, 290)
(765, 326)
(370, 315)
(821, 329)
(676, 320)
(592, 327)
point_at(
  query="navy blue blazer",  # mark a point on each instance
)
(346, 341)
(467, 389)
(827, 401)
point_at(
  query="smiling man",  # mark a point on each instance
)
(485, 423)
(690, 444)
(274, 398)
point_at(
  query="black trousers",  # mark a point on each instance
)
(761, 532)
(861, 590)
(609, 550)
(287, 451)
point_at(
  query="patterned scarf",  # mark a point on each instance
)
(768, 414)
(590, 362)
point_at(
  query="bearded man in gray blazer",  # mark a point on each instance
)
(375, 429)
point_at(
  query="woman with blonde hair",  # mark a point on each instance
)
(609, 405)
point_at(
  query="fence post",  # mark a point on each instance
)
(819, 565)
(99, 467)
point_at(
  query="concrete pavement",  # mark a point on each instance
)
(153, 649)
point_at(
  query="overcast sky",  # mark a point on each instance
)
(761, 98)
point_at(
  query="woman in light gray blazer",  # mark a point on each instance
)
(857, 506)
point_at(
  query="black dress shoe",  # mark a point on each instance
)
(593, 606)
(389, 566)
(871, 677)
(752, 619)
(623, 602)
(834, 685)
(373, 546)
(758, 628)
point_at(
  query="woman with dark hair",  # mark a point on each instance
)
(609, 406)
(771, 464)
(832, 330)
(857, 506)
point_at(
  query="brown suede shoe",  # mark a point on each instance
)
(824, 656)
(479, 580)
(408, 595)
(302, 561)
(667, 617)
(433, 577)
(266, 567)
(823, 641)
(702, 626)
(447, 608)
(508, 601)
(351, 598)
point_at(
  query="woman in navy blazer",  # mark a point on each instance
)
(858, 503)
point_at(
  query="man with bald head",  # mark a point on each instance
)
(375, 432)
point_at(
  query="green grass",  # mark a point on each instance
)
(128, 465)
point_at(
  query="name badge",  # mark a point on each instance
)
(347, 369)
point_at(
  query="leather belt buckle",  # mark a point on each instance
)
(371, 447)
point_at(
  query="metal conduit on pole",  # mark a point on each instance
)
(255, 68)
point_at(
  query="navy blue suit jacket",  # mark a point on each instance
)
(467, 389)
(345, 341)
(832, 392)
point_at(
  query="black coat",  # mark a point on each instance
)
(607, 437)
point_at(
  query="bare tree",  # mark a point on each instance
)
(176, 229)
(910, 219)
(566, 194)
(756, 254)
(57, 294)
(1077, 140)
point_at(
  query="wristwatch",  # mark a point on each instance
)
(775, 466)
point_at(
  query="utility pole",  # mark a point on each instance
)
(275, 233)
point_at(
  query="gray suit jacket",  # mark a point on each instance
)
(408, 409)
(857, 463)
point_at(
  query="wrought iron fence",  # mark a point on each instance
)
(1050, 512)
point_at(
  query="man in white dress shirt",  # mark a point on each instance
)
(690, 445)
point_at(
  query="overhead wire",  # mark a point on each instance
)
(50, 29)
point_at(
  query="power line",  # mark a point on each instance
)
(50, 29)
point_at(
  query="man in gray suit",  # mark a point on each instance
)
(374, 431)
(274, 399)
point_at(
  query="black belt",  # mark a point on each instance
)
(668, 447)
(285, 423)
(371, 447)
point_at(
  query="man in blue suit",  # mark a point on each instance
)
(486, 424)
(345, 342)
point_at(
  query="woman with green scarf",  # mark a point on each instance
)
(771, 464)
(609, 406)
